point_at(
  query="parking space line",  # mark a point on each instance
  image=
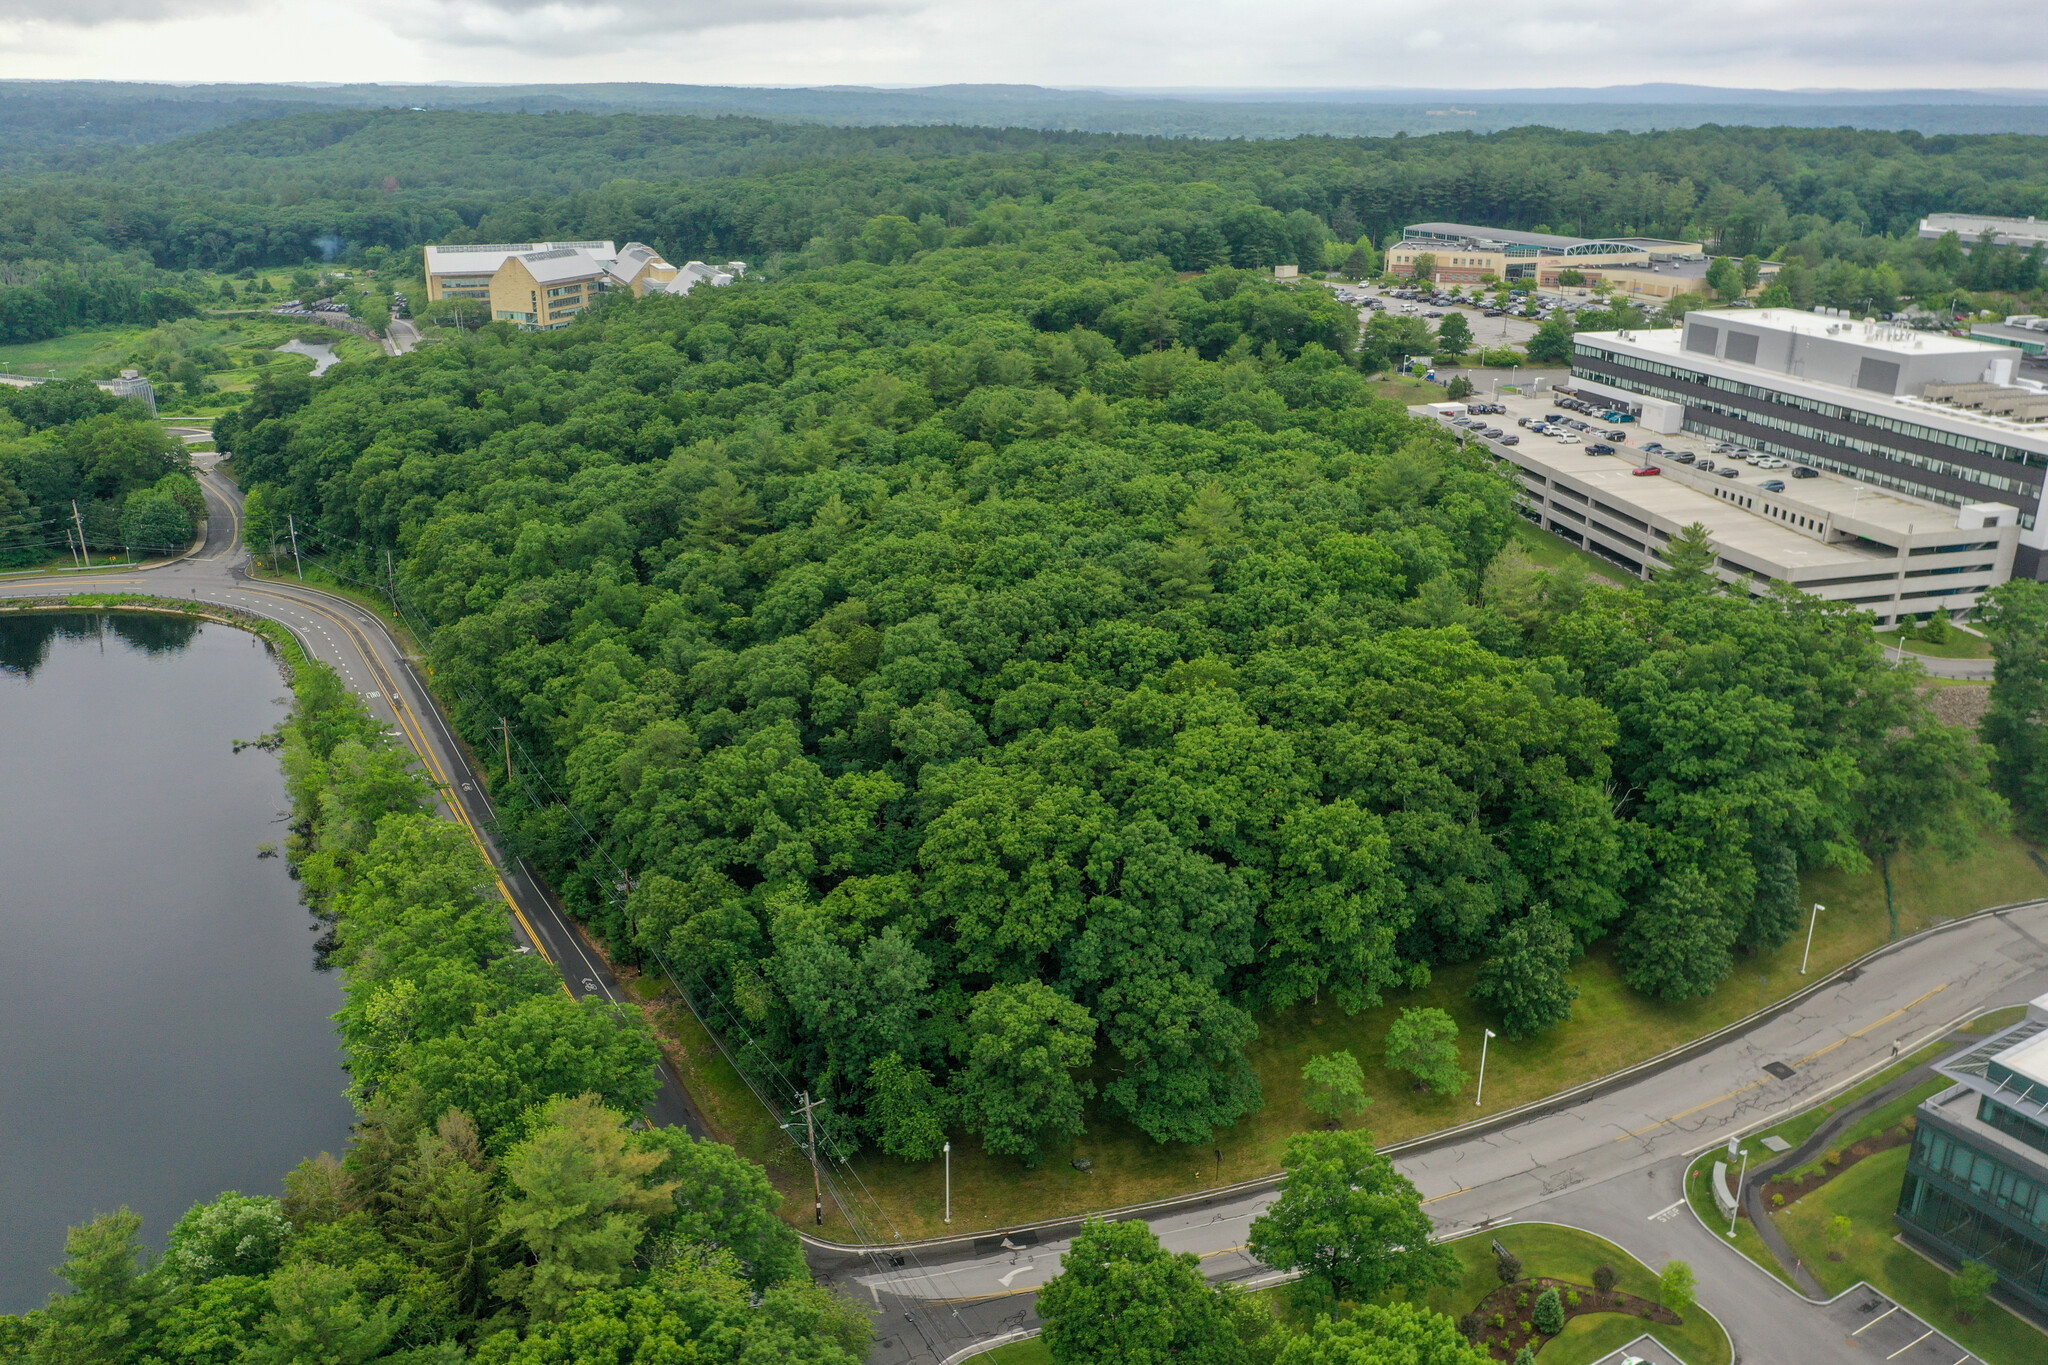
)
(1875, 1321)
(1911, 1344)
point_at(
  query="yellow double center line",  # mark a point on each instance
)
(1811, 1056)
(415, 735)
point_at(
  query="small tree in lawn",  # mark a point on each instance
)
(1507, 1265)
(1336, 1086)
(1549, 1315)
(1604, 1279)
(1971, 1289)
(1840, 1230)
(1676, 1287)
(1526, 980)
(1424, 1043)
(1459, 388)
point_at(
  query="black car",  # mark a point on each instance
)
(1685, 457)
(1773, 485)
(1599, 448)
(1655, 447)
(1525, 421)
(1804, 473)
(1731, 472)
(1705, 466)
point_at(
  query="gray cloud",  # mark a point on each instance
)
(91, 13)
(606, 26)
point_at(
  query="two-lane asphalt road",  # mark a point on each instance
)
(355, 643)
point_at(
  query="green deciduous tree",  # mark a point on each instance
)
(1924, 788)
(2016, 724)
(1383, 1334)
(1680, 942)
(1350, 1222)
(235, 1234)
(321, 1318)
(1024, 1044)
(1526, 981)
(1969, 1289)
(1122, 1299)
(1454, 334)
(581, 1196)
(110, 1317)
(1424, 1043)
(1335, 1085)
(1677, 1286)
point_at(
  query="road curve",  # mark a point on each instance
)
(357, 645)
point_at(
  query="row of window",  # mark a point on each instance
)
(1972, 1235)
(1976, 445)
(2028, 493)
(1982, 1175)
(2012, 1122)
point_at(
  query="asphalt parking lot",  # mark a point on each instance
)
(1486, 331)
(1883, 1330)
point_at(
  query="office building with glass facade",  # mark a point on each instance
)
(1976, 1186)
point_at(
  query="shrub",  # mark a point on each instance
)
(1500, 1322)
(1572, 1298)
(1777, 1201)
(1521, 1300)
(1508, 1266)
(1834, 1158)
(1470, 1326)
(1549, 1315)
(1604, 1278)
(1527, 1327)
(1525, 1356)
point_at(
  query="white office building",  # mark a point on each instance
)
(1934, 434)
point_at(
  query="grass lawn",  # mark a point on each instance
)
(1029, 1352)
(1568, 1254)
(1611, 1027)
(1867, 1194)
(1552, 551)
(1699, 1191)
(1984, 1025)
(1408, 390)
(1960, 644)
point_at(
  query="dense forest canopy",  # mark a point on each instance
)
(1008, 673)
(284, 190)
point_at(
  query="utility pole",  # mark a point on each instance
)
(817, 1183)
(949, 1182)
(292, 523)
(72, 546)
(390, 578)
(80, 523)
(506, 726)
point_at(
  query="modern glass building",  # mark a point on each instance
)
(1976, 1186)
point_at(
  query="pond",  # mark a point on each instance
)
(324, 358)
(167, 1034)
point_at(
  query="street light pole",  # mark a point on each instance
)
(949, 1182)
(1490, 1035)
(1738, 1193)
(1817, 908)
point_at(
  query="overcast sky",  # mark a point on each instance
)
(1234, 43)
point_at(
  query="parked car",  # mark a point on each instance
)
(1567, 439)
(1768, 462)
(1511, 440)
(1731, 472)
(1705, 466)
(1685, 457)
(1804, 473)
(1773, 485)
(1493, 433)
(1525, 421)
(1599, 448)
(1644, 471)
(1617, 436)
(1655, 448)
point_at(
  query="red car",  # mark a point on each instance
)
(1645, 471)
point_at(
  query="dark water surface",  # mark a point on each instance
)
(163, 1034)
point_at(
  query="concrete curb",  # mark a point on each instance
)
(1428, 1141)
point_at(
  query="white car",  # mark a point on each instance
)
(1568, 440)
(1768, 462)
